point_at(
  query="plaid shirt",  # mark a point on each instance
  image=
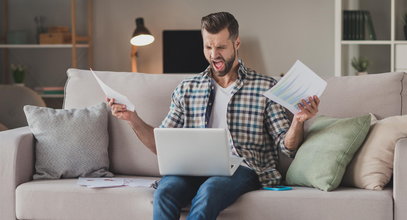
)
(257, 125)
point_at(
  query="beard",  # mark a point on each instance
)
(228, 64)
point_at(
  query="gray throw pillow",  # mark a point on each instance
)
(70, 143)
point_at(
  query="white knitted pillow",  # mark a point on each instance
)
(70, 143)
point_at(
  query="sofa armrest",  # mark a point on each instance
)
(400, 180)
(16, 166)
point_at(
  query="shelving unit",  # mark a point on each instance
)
(388, 53)
(73, 46)
(39, 46)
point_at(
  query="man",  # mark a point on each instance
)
(226, 95)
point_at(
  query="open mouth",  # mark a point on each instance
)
(219, 65)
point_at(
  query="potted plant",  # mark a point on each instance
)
(405, 25)
(360, 65)
(18, 72)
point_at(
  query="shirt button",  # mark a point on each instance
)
(210, 103)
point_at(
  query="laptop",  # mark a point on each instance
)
(194, 152)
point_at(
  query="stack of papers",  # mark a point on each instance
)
(114, 182)
(299, 83)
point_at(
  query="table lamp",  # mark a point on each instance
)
(141, 37)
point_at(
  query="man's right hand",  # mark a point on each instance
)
(120, 111)
(143, 131)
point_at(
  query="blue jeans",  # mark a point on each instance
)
(208, 195)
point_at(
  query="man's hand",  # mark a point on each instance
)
(143, 131)
(308, 109)
(295, 133)
(120, 111)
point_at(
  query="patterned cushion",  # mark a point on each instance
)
(69, 143)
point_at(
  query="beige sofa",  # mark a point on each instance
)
(21, 198)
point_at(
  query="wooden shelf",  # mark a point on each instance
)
(39, 46)
(366, 42)
(382, 53)
(372, 42)
(86, 41)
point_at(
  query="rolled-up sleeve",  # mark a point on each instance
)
(278, 125)
(175, 116)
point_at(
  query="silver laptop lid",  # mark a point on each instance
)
(193, 151)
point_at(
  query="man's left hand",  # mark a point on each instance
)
(309, 108)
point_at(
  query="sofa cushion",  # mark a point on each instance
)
(372, 166)
(69, 143)
(151, 94)
(63, 199)
(328, 148)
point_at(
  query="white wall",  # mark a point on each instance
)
(274, 33)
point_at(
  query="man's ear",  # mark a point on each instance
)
(237, 43)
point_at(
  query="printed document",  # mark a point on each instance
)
(100, 182)
(299, 83)
(114, 182)
(111, 93)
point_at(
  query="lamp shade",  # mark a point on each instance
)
(141, 35)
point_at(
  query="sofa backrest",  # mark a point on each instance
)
(379, 94)
(151, 94)
(349, 96)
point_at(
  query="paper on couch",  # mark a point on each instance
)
(100, 182)
(299, 83)
(114, 182)
(111, 93)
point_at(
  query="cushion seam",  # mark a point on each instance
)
(343, 155)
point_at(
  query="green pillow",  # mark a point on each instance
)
(328, 148)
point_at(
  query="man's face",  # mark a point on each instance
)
(220, 51)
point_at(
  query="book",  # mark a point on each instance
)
(358, 25)
(50, 90)
(371, 34)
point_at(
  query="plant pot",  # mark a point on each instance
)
(361, 73)
(18, 76)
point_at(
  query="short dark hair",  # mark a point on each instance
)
(215, 22)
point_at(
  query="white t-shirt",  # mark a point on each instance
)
(219, 109)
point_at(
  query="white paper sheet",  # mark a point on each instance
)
(111, 93)
(100, 182)
(114, 182)
(299, 83)
(139, 182)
